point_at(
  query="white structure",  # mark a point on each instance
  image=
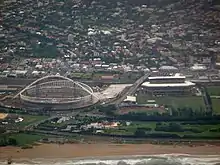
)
(198, 67)
(130, 99)
(167, 68)
(168, 85)
(70, 38)
(57, 93)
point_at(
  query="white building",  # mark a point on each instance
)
(130, 100)
(168, 85)
(198, 68)
(167, 68)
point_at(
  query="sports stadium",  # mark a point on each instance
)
(57, 93)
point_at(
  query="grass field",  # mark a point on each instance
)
(216, 106)
(126, 110)
(25, 139)
(82, 75)
(150, 127)
(177, 102)
(28, 119)
(119, 78)
(180, 102)
(214, 90)
(22, 139)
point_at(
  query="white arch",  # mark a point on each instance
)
(62, 77)
(54, 81)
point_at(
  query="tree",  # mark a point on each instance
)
(3, 141)
(139, 133)
(12, 141)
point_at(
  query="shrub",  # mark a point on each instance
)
(27, 146)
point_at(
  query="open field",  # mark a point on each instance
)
(117, 77)
(29, 119)
(214, 90)
(125, 110)
(26, 139)
(173, 128)
(216, 106)
(193, 102)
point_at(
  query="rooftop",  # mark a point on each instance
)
(185, 84)
(130, 98)
(175, 76)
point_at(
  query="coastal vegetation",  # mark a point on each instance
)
(178, 130)
(182, 118)
(19, 139)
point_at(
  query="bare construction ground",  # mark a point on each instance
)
(111, 92)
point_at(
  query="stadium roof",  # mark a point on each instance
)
(185, 84)
(176, 76)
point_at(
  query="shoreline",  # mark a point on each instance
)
(77, 151)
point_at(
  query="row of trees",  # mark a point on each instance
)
(23, 111)
(164, 117)
(189, 112)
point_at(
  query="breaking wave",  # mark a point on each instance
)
(169, 159)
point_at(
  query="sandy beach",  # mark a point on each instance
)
(104, 149)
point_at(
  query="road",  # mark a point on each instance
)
(206, 99)
(131, 90)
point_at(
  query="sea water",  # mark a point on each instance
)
(167, 159)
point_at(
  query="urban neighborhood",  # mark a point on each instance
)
(88, 71)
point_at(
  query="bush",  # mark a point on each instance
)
(194, 130)
(139, 133)
(108, 110)
(12, 141)
(146, 129)
(215, 130)
(27, 146)
(172, 127)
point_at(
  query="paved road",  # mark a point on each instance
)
(132, 89)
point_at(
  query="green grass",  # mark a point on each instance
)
(213, 90)
(216, 106)
(180, 102)
(130, 130)
(29, 119)
(193, 102)
(82, 75)
(24, 139)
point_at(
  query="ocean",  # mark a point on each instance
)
(166, 159)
